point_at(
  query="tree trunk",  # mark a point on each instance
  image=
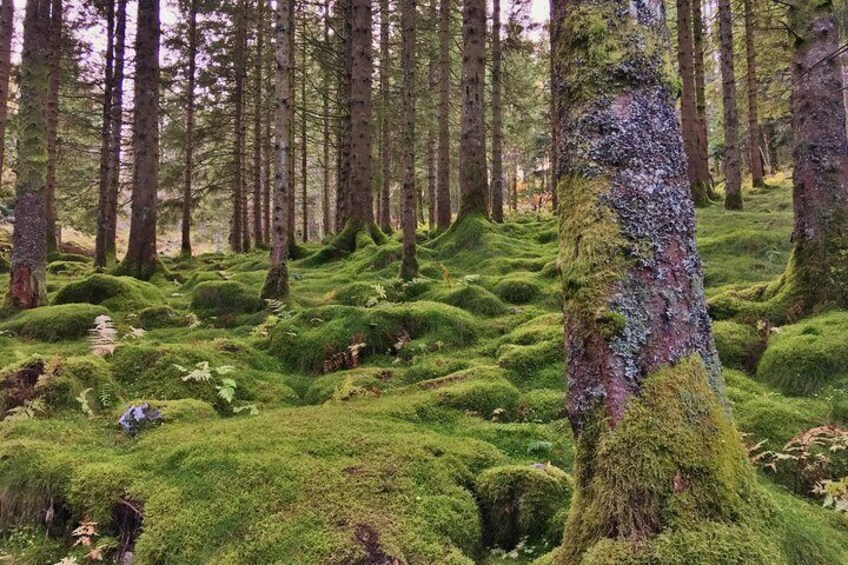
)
(304, 150)
(497, 121)
(27, 282)
(701, 91)
(409, 262)
(277, 280)
(754, 134)
(325, 193)
(443, 201)
(385, 161)
(105, 140)
(7, 29)
(292, 155)
(237, 242)
(258, 82)
(141, 260)
(698, 170)
(55, 79)
(554, 128)
(732, 165)
(654, 443)
(343, 157)
(267, 140)
(188, 165)
(473, 182)
(432, 56)
(361, 201)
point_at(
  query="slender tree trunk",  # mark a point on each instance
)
(409, 262)
(258, 82)
(237, 243)
(304, 150)
(385, 161)
(554, 129)
(27, 284)
(188, 165)
(654, 442)
(514, 184)
(105, 139)
(443, 200)
(362, 204)
(325, 193)
(267, 140)
(754, 134)
(292, 154)
(701, 92)
(698, 170)
(141, 260)
(732, 159)
(7, 29)
(473, 182)
(497, 120)
(768, 140)
(109, 212)
(433, 56)
(55, 80)
(343, 156)
(277, 280)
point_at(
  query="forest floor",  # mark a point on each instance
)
(365, 420)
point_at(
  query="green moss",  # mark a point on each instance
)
(474, 299)
(163, 316)
(53, 323)
(72, 376)
(225, 298)
(344, 386)
(480, 392)
(778, 419)
(68, 257)
(68, 268)
(4, 264)
(739, 346)
(520, 501)
(542, 406)
(525, 360)
(201, 277)
(119, 294)
(802, 359)
(186, 410)
(517, 290)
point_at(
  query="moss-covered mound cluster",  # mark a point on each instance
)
(372, 420)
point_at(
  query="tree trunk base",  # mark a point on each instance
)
(276, 286)
(354, 236)
(26, 289)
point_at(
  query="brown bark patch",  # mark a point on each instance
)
(20, 386)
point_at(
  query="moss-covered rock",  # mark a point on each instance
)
(520, 501)
(119, 294)
(223, 298)
(163, 316)
(517, 289)
(54, 323)
(739, 346)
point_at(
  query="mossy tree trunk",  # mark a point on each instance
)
(409, 262)
(141, 260)
(277, 280)
(473, 175)
(188, 147)
(732, 157)
(754, 133)
(28, 286)
(655, 448)
(818, 270)
(7, 29)
(54, 83)
(497, 120)
(698, 169)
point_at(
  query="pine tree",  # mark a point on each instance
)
(473, 176)
(732, 158)
(409, 262)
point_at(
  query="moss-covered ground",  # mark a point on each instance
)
(371, 419)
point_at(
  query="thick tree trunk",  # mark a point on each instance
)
(28, 285)
(473, 181)
(732, 158)
(385, 161)
(7, 29)
(343, 157)
(654, 444)
(54, 83)
(443, 201)
(754, 133)
(277, 280)
(699, 48)
(409, 262)
(258, 83)
(698, 170)
(497, 120)
(141, 260)
(105, 139)
(188, 164)
(237, 241)
(361, 201)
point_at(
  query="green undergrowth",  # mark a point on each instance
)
(119, 294)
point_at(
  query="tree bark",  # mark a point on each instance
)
(385, 161)
(188, 164)
(409, 262)
(732, 158)
(642, 368)
(554, 129)
(473, 182)
(304, 150)
(432, 64)
(497, 120)
(754, 133)
(325, 193)
(343, 157)
(55, 81)
(698, 170)
(141, 260)
(117, 122)
(277, 280)
(7, 29)
(361, 201)
(259, 64)
(105, 139)
(701, 91)
(237, 241)
(443, 200)
(27, 284)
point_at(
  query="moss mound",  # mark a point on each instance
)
(225, 298)
(119, 294)
(739, 346)
(474, 299)
(54, 323)
(319, 339)
(542, 406)
(201, 277)
(163, 316)
(804, 358)
(520, 501)
(482, 391)
(517, 290)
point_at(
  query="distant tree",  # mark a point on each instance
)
(188, 149)
(409, 262)
(473, 176)
(385, 216)
(325, 114)
(259, 84)
(754, 132)
(732, 158)
(141, 260)
(54, 83)
(443, 202)
(497, 119)
(238, 229)
(7, 29)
